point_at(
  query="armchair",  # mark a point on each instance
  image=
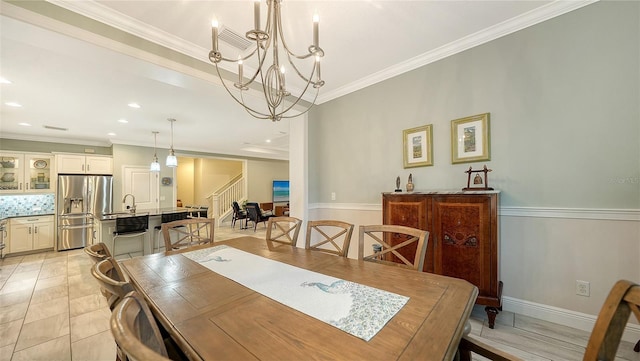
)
(255, 215)
(238, 214)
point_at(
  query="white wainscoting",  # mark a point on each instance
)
(543, 251)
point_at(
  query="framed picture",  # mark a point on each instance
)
(417, 146)
(470, 139)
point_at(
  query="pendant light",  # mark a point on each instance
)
(155, 166)
(172, 161)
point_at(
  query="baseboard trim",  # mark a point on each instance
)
(578, 320)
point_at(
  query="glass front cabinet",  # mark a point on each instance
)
(25, 173)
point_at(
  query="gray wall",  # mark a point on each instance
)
(261, 174)
(564, 102)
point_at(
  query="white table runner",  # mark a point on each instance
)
(354, 308)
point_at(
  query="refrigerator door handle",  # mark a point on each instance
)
(76, 215)
(88, 226)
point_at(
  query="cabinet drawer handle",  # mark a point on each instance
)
(88, 166)
(35, 229)
(29, 230)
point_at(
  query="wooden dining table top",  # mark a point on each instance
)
(214, 318)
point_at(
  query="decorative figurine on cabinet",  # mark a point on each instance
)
(398, 184)
(478, 184)
(410, 183)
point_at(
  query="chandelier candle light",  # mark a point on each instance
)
(155, 166)
(172, 161)
(271, 77)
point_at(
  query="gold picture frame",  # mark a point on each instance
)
(417, 146)
(470, 139)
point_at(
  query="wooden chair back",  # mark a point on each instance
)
(186, 233)
(136, 332)
(282, 231)
(394, 241)
(329, 236)
(623, 300)
(97, 252)
(114, 282)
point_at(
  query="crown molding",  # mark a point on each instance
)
(507, 27)
(104, 14)
(49, 139)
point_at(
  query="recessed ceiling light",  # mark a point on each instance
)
(134, 105)
(268, 140)
(111, 134)
(4, 81)
(25, 124)
(124, 121)
(14, 104)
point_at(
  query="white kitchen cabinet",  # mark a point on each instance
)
(25, 172)
(84, 164)
(30, 233)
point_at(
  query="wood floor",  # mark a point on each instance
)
(51, 309)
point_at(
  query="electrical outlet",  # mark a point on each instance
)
(582, 288)
(333, 196)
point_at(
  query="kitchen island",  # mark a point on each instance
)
(142, 244)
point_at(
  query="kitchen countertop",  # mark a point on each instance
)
(31, 214)
(150, 212)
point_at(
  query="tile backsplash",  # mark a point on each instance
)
(24, 205)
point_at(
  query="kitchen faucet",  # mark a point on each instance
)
(132, 209)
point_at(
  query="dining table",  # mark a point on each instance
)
(212, 317)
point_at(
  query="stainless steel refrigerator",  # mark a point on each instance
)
(79, 199)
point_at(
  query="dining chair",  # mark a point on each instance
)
(282, 231)
(394, 245)
(255, 215)
(238, 215)
(164, 218)
(136, 332)
(186, 233)
(622, 301)
(325, 236)
(112, 279)
(97, 252)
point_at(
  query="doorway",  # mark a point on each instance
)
(142, 184)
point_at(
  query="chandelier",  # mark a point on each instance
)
(271, 41)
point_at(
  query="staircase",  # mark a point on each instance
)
(221, 200)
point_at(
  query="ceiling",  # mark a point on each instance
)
(82, 78)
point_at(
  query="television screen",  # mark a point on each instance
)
(280, 191)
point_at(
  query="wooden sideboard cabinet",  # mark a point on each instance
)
(463, 236)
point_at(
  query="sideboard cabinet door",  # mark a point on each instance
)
(464, 243)
(403, 210)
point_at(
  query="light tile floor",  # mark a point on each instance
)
(52, 309)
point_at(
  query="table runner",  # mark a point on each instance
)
(357, 309)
